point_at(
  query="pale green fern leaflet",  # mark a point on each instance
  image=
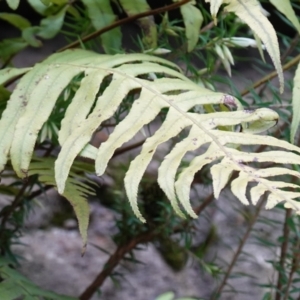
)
(76, 190)
(156, 84)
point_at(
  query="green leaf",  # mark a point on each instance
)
(29, 35)
(16, 20)
(285, 7)
(74, 12)
(296, 104)
(13, 4)
(39, 6)
(147, 24)
(166, 296)
(102, 15)
(186, 298)
(192, 18)
(9, 290)
(10, 47)
(48, 28)
(51, 25)
(4, 261)
(46, 2)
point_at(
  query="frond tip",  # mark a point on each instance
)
(104, 83)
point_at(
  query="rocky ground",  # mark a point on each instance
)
(51, 256)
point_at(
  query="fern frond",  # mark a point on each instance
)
(106, 81)
(250, 12)
(76, 190)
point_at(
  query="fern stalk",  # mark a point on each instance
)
(123, 249)
(283, 253)
(6, 214)
(115, 259)
(295, 266)
(238, 251)
(293, 62)
(294, 43)
(122, 22)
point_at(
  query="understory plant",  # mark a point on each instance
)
(168, 91)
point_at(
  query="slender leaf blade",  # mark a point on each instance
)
(285, 7)
(296, 104)
(102, 15)
(250, 13)
(9, 73)
(193, 19)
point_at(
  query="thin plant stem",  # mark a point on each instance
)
(284, 56)
(295, 266)
(208, 27)
(124, 21)
(39, 192)
(238, 251)
(128, 148)
(294, 43)
(273, 74)
(122, 250)
(283, 253)
(7, 213)
(209, 199)
(112, 26)
(14, 204)
(114, 260)
(198, 210)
